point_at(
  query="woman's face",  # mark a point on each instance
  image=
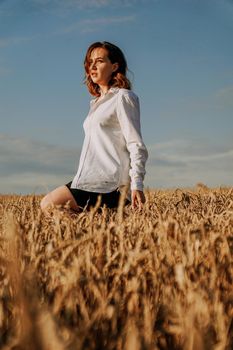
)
(101, 68)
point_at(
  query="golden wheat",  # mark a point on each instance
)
(161, 278)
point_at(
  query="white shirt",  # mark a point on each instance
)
(113, 152)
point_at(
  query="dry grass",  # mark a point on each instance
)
(158, 279)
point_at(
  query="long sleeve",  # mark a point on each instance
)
(129, 118)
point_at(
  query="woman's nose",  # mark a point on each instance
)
(93, 66)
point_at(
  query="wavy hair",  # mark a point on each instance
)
(118, 78)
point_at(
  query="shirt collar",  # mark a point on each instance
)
(112, 90)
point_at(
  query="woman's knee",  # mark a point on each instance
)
(45, 203)
(50, 199)
(59, 196)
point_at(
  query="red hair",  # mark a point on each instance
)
(118, 78)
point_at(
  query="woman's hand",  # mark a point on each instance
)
(137, 199)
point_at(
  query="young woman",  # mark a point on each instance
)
(113, 154)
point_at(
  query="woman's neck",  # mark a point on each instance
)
(103, 90)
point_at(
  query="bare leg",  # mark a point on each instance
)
(60, 196)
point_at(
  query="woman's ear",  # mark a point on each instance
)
(115, 66)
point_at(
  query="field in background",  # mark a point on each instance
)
(158, 279)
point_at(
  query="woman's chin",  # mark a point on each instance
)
(94, 79)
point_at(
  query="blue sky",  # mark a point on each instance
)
(180, 54)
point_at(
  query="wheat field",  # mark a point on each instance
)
(159, 278)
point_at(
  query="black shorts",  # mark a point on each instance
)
(86, 199)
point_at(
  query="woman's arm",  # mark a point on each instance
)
(129, 119)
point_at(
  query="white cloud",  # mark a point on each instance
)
(28, 166)
(87, 3)
(182, 163)
(71, 3)
(64, 7)
(90, 25)
(7, 41)
(101, 3)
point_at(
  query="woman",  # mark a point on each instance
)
(113, 154)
